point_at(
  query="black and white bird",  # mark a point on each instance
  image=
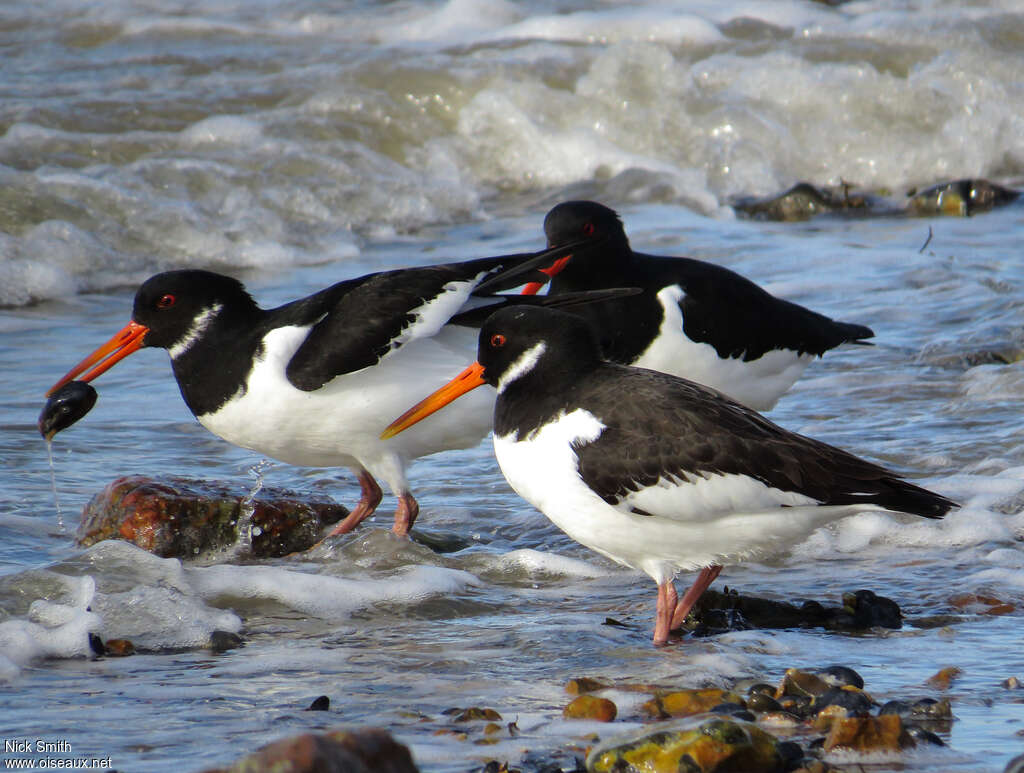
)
(692, 319)
(312, 382)
(654, 471)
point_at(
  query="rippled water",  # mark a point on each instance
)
(294, 147)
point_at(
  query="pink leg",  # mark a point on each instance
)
(371, 496)
(704, 579)
(405, 514)
(663, 615)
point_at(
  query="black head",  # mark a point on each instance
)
(176, 305)
(524, 344)
(571, 221)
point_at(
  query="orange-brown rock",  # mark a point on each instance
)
(584, 684)
(590, 707)
(943, 677)
(181, 518)
(357, 751)
(685, 703)
(866, 734)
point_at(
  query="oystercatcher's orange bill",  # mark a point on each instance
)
(468, 380)
(127, 340)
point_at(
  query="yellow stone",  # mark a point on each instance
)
(590, 707)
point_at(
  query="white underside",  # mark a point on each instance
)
(692, 523)
(340, 424)
(756, 383)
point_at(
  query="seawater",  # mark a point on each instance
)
(295, 147)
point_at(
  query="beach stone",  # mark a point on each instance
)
(804, 201)
(584, 684)
(118, 648)
(684, 703)
(867, 734)
(943, 678)
(590, 707)
(720, 611)
(981, 604)
(222, 641)
(960, 198)
(841, 676)
(850, 699)
(475, 714)
(181, 518)
(320, 703)
(336, 751)
(797, 682)
(709, 746)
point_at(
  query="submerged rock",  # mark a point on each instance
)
(352, 751)
(714, 744)
(720, 611)
(181, 518)
(868, 734)
(958, 198)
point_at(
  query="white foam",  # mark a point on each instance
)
(226, 129)
(51, 629)
(535, 562)
(321, 596)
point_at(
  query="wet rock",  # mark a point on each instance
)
(584, 684)
(801, 202)
(861, 610)
(66, 406)
(222, 641)
(1012, 683)
(118, 648)
(943, 678)
(96, 644)
(855, 702)
(801, 683)
(1016, 765)
(922, 736)
(719, 745)
(841, 676)
(475, 714)
(867, 734)
(960, 198)
(684, 703)
(356, 751)
(321, 703)
(981, 604)
(590, 707)
(762, 703)
(180, 518)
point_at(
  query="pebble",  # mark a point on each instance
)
(590, 707)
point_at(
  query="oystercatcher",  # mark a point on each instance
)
(654, 471)
(693, 319)
(313, 382)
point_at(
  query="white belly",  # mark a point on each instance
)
(340, 423)
(692, 523)
(757, 384)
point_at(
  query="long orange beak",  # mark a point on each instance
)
(468, 380)
(532, 288)
(127, 340)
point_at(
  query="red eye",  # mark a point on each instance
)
(497, 341)
(166, 301)
(588, 229)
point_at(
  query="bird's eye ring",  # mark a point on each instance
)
(497, 341)
(166, 301)
(588, 229)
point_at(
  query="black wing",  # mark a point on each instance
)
(358, 323)
(685, 429)
(741, 319)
